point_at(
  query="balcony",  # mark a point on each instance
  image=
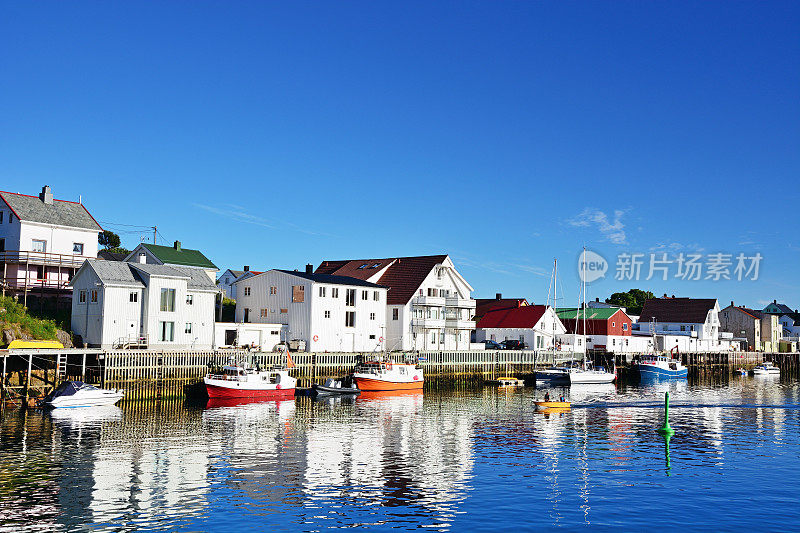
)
(38, 270)
(459, 323)
(455, 301)
(437, 301)
(430, 323)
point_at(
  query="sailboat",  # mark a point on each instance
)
(555, 375)
(586, 373)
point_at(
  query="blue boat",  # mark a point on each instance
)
(656, 367)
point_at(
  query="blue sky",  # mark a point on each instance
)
(502, 133)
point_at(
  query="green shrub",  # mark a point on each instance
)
(13, 312)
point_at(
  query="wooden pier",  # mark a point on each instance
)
(29, 374)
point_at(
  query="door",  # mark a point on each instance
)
(246, 314)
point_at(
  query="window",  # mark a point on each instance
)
(188, 328)
(431, 292)
(133, 297)
(168, 300)
(273, 290)
(77, 248)
(82, 297)
(376, 296)
(624, 326)
(350, 319)
(350, 298)
(39, 246)
(683, 328)
(365, 295)
(94, 296)
(433, 337)
(284, 311)
(189, 299)
(442, 293)
(247, 291)
(395, 313)
(298, 294)
(613, 324)
(2, 243)
(372, 337)
(626, 342)
(166, 331)
(264, 312)
(327, 314)
(10, 218)
(372, 316)
(439, 273)
(1, 216)
(322, 292)
(334, 292)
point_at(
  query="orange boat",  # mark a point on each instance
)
(388, 376)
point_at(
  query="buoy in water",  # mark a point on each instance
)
(665, 429)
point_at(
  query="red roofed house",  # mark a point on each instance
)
(43, 242)
(428, 304)
(535, 325)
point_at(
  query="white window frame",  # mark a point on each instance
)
(82, 297)
(190, 299)
(34, 243)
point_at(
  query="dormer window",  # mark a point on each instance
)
(362, 267)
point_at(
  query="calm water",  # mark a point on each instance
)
(480, 459)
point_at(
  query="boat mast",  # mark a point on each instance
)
(583, 305)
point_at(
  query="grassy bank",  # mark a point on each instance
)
(15, 316)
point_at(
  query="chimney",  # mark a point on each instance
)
(142, 258)
(246, 268)
(597, 300)
(773, 301)
(498, 296)
(46, 195)
(309, 268)
(177, 246)
(732, 304)
(665, 295)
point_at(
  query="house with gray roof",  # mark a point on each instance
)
(43, 241)
(117, 304)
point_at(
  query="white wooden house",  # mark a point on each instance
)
(688, 324)
(330, 313)
(227, 279)
(429, 304)
(537, 326)
(43, 241)
(116, 304)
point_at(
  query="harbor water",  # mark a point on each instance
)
(444, 460)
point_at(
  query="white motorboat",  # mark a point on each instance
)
(766, 369)
(79, 394)
(590, 375)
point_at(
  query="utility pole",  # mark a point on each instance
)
(155, 233)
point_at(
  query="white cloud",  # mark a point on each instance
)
(238, 213)
(613, 231)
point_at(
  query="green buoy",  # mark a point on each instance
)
(665, 429)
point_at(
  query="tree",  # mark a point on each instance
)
(110, 242)
(108, 239)
(632, 301)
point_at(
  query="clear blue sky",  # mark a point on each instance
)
(502, 133)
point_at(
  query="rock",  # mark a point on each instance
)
(8, 336)
(64, 338)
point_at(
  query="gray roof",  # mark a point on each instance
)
(198, 278)
(59, 213)
(115, 273)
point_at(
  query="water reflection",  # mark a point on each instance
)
(466, 459)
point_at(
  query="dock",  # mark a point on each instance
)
(144, 375)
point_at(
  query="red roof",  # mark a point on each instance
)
(484, 305)
(525, 317)
(403, 277)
